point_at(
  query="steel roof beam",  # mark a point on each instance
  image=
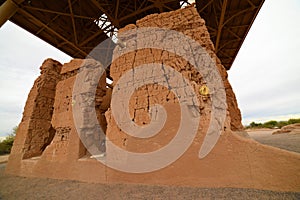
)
(73, 22)
(220, 25)
(8, 9)
(37, 21)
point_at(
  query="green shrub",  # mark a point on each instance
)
(270, 124)
(7, 143)
(281, 124)
(255, 125)
(293, 121)
(273, 124)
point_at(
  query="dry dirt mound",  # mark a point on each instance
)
(291, 129)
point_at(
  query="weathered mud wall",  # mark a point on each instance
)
(63, 120)
(189, 23)
(35, 128)
(233, 162)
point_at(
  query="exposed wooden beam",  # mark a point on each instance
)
(73, 22)
(40, 23)
(220, 25)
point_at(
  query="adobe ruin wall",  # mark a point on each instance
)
(48, 144)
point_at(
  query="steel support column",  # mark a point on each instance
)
(8, 9)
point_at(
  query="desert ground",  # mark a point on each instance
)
(13, 187)
(290, 142)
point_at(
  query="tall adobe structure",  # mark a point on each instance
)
(48, 144)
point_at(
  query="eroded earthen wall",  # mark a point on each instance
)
(63, 119)
(35, 131)
(233, 162)
(186, 21)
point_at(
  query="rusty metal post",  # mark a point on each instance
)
(7, 10)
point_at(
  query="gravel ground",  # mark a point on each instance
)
(3, 158)
(290, 142)
(13, 187)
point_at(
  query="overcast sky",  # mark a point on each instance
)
(265, 75)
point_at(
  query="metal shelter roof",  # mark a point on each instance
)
(77, 26)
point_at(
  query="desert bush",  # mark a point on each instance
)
(293, 121)
(281, 124)
(7, 143)
(270, 124)
(273, 124)
(255, 125)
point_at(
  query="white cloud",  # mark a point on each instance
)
(21, 55)
(266, 73)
